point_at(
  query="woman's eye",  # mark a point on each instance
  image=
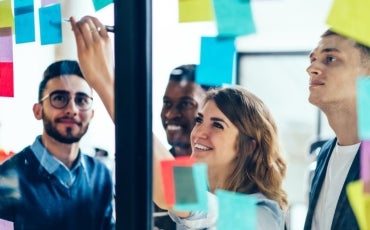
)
(198, 120)
(218, 125)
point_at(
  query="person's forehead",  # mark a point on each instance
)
(71, 83)
(335, 43)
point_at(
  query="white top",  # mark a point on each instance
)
(339, 163)
(269, 215)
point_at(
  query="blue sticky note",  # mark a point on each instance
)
(100, 4)
(363, 108)
(236, 211)
(191, 187)
(24, 21)
(50, 24)
(233, 18)
(216, 61)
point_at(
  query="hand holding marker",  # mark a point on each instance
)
(108, 28)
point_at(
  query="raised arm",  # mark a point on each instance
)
(95, 56)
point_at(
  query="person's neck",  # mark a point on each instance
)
(182, 151)
(344, 125)
(66, 153)
(216, 179)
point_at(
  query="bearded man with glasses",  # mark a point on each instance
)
(51, 184)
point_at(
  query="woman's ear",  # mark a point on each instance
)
(37, 111)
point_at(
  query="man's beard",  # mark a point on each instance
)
(51, 130)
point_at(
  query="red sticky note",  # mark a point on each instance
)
(168, 177)
(6, 79)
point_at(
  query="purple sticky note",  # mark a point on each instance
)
(365, 160)
(48, 2)
(6, 225)
(216, 61)
(6, 45)
(50, 24)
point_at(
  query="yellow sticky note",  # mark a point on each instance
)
(360, 203)
(195, 10)
(6, 16)
(351, 19)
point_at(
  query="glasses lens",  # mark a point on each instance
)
(83, 102)
(59, 100)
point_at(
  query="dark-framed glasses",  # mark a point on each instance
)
(59, 100)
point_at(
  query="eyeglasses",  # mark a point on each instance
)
(59, 99)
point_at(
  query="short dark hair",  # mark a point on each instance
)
(186, 73)
(57, 69)
(364, 49)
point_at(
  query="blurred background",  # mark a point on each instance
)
(270, 63)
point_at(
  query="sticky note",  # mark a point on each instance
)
(6, 14)
(191, 187)
(195, 10)
(236, 211)
(48, 2)
(6, 225)
(363, 108)
(6, 79)
(50, 24)
(168, 177)
(351, 19)
(6, 45)
(216, 61)
(24, 21)
(360, 203)
(234, 18)
(100, 4)
(365, 160)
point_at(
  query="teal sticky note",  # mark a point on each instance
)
(216, 61)
(191, 187)
(24, 21)
(363, 107)
(50, 24)
(100, 4)
(233, 18)
(236, 211)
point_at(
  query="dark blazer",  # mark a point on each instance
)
(344, 217)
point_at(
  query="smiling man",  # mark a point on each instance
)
(51, 183)
(181, 101)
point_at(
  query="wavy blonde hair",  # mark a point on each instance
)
(259, 166)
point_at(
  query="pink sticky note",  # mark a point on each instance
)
(6, 79)
(6, 45)
(6, 225)
(365, 160)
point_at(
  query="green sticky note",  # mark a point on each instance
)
(191, 187)
(363, 107)
(236, 211)
(351, 19)
(100, 4)
(195, 10)
(6, 14)
(234, 18)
